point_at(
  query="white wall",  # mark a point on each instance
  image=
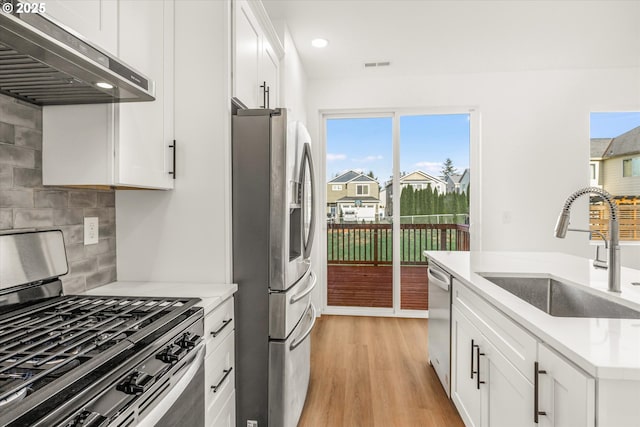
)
(184, 234)
(292, 77)
(534, 140)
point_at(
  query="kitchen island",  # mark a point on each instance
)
(603, 353)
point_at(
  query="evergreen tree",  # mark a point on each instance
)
(428, 200)
(447, 169)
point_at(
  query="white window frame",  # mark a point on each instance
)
(362, 186)
(475, 206)
(336, 187)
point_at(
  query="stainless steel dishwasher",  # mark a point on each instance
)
(439, 329)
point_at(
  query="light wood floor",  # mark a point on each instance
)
(374, 372)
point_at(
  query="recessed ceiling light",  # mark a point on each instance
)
(104, 85)
(319, 43)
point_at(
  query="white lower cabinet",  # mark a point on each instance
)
(219, 365)
(486, 388)
(566, 394)
(493, 378)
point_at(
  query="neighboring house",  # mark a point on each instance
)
(354, 195)
(616, 167)
(458, 183)
(418, 180)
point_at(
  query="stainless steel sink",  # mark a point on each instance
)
(561, 299)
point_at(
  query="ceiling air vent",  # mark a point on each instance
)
(376, 64)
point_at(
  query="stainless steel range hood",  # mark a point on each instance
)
(43, 63)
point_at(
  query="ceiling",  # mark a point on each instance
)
(455, 36)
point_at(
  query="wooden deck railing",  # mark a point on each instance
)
(629, 219)
(372, 244)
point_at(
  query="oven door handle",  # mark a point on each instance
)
(176, 391)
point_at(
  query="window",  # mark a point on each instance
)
(631, 167)
(362, 189)
(336, 187)
(593, 170)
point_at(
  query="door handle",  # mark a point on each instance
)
(225, 373)
(478, 354)
(297, 297)
(473, 346)
(225, 323)
(174, 146)
(263, 86)
(296, 342)
(268, 90)
(536, 388)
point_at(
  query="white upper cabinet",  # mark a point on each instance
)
(95, 20)
(128, 144)
(256, 56)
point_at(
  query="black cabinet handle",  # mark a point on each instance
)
(174, 146)
(536, 387)
(225, 323)
(268, 90)
(264, 88)
(473, 346)
(226, 373)
(478, 382)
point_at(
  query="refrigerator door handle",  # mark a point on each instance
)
(306, 158)
(296, 342)
(297, 297)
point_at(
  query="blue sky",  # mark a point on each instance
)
(425, 142)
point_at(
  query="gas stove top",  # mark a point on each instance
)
(90, 361)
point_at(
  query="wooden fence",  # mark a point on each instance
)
(629, 211)
(373, 243)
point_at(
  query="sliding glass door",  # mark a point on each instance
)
(397, 184)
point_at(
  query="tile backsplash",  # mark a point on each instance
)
(26, 204)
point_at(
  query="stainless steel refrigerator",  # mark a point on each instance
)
(273, 227)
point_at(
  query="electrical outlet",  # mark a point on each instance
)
(252, 423)
(91, 230)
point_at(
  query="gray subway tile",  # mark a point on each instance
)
(105, 215)
(101, 247)
(6, 176)
(27, 218)
(31, 178)
(106, 199)
(51, 199)
(83, 199)
(106, 230)
(68, 216)
(17, 113)
(6, 219)
(16, 199)
(26, 137)
(101, 277)
(74, 285)
(83, 266)
(7, 133)
(106, 260)
(75, 251)
(72, 234)
(17, 156)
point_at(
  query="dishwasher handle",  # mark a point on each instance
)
(438, 279)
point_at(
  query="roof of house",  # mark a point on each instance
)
(419, 175)
(351, 176)
(598, 147)
(625, 144)
(456, 178)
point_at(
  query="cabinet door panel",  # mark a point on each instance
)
(247, 50)
(566, 394)
(146, 128)
(269, 71)
(507, 395)
(95, 20)
(464, 392)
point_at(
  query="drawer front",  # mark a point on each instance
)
(218, 324)
(508, 337)
(219, 371)
(227, 416)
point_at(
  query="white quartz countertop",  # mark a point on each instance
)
(211, 294)
(606, 348)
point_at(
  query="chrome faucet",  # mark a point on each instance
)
(562, 226)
